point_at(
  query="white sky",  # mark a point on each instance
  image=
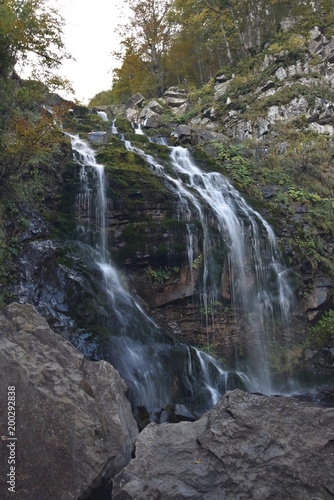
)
(90, 38)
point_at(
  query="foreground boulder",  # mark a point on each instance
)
(247, 446)
(73, 423)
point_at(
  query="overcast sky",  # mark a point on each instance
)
(90, 38)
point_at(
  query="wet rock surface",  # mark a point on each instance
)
(247, 446)
(74, 425)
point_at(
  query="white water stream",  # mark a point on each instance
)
(257, 276)
(157, 370)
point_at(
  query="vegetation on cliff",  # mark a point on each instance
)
(31, 142)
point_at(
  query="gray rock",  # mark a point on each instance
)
(266, 61)
(315, 33)
(326, 117)
(175, 97)
(184, 108)
(322, 129)
(99, 137)
(149, 118)
(176, 102)
(242, 130)
(220, 89)
(101, 108)
(281, 74)
(247, 446)
(132, 114)
(182, 134)
(315, 46)
(74, 424)
(329, 51)
(268, 93)
(282, 147)
(320, 298)
(175, 92)
(292, 70)
(273, 114)
(269, 85)
(262, 127)
(220, 79)
(155, 107)
(135, 101)
(295, 108)
(117, 110)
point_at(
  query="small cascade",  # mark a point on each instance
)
(113, 127)
(157, 369)
(163, 141)
(103, 115)
(137, 129)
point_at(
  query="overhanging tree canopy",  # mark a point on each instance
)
(30, 27)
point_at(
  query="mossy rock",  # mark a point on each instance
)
(123, 126)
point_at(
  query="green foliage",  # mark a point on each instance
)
(198, 262)
(123, 125)
(237, 166)
(103, 98)
(159, 275)
(322, 334)
(209, 349)
(284, 358)
(30, 27)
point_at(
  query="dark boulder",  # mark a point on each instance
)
(247, 446)
(73, 423)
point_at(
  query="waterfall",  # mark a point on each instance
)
(258, 281)
(257, 276)
(157, 369)
(137, 129)
(103, 115)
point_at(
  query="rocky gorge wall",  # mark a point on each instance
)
(145, 236)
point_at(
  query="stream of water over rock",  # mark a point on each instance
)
(157, 369)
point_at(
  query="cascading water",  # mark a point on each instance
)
(157, 369)
(257, 277)
(103, 115)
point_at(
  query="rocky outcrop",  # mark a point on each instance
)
(221, 86)
(183, 134)
(175, 97)
(74, 425)
(135, 101)
(150, 116)
(247, 446)
(320, 298)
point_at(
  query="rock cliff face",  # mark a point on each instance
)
(74, 425)
(248, 446)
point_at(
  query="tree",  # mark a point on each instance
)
(27, 132)
(29, 141)
(30, 27)
(148, 40)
